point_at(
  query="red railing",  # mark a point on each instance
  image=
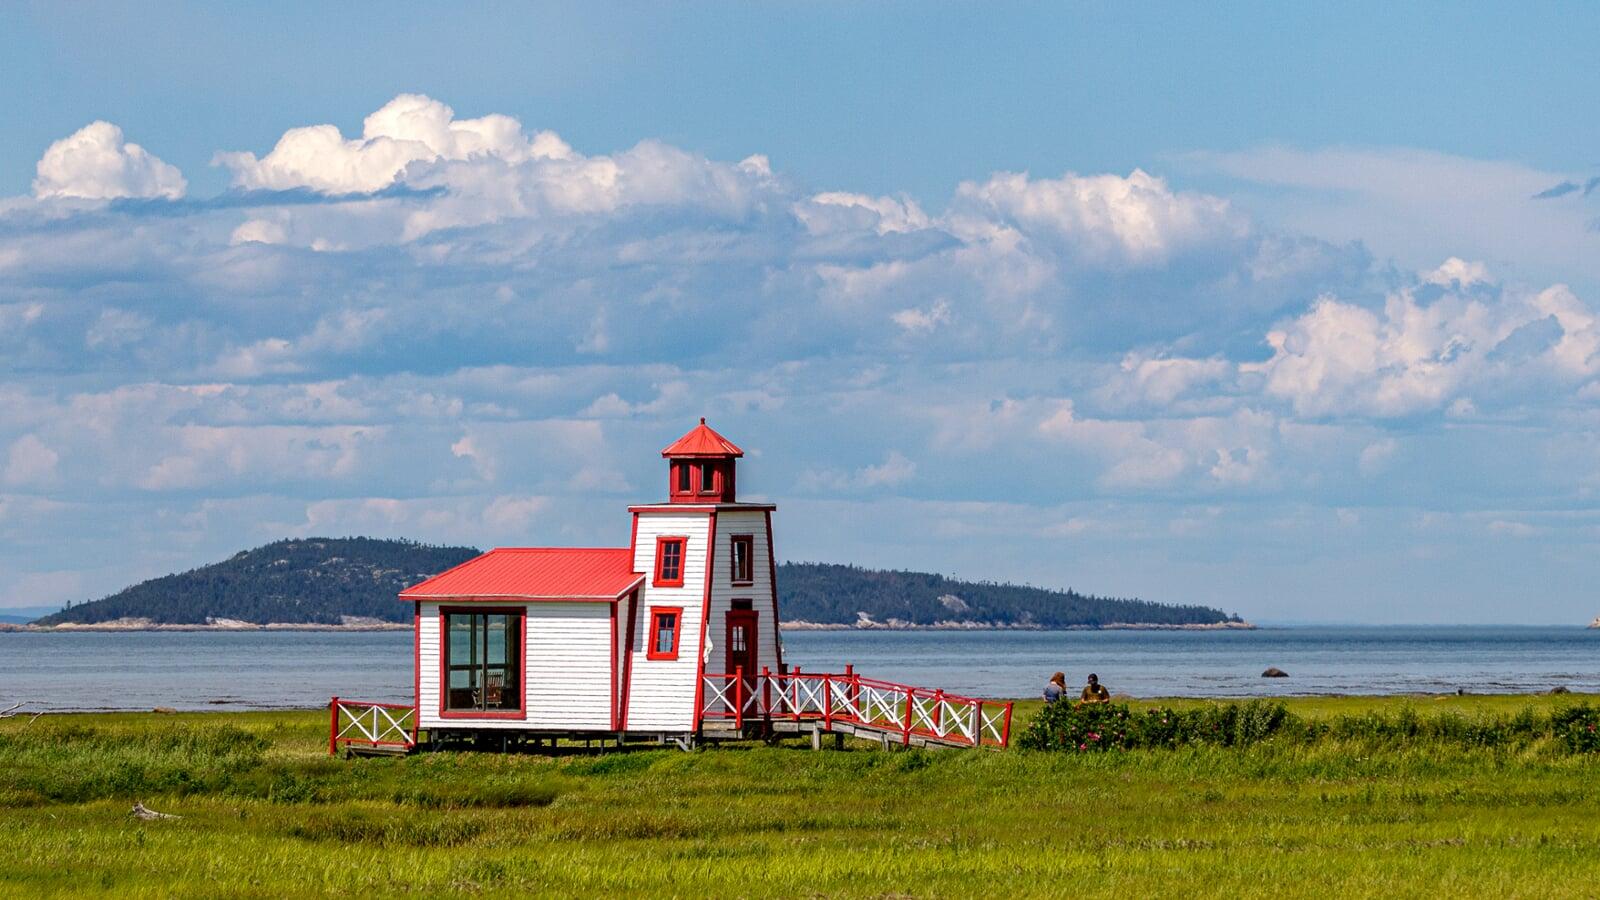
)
(899, 710)
(370, 724)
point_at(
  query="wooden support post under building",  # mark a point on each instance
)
(816, 739)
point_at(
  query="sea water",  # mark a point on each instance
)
(285, 669)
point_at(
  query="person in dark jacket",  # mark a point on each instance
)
(1094, 691)
(1056, 687)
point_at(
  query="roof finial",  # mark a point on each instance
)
(702, 420)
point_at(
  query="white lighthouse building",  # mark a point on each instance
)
(608, 641)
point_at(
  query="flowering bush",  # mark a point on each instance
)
(1088, 727)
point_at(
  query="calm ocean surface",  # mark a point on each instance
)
(256, 670)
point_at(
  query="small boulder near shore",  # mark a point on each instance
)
(1274, 672)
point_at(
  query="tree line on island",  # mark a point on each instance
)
(328, 581)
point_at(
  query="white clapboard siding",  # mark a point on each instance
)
(566, 663)
(759, 592)
(661, 692)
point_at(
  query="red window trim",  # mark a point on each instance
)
(683, 553)
(650, 651)
(444, 672)
(749, 540)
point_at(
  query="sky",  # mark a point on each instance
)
(1288, 309)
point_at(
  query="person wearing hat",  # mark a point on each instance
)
(1094, 691)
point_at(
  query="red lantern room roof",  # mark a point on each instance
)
(701, 441)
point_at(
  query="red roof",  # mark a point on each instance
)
(702, 441)
(536, 573)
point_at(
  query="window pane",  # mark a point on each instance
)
(671, 560)
(683, 477)
(708, 474)
(666, 626)
(741, 558)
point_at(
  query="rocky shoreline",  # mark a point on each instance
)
(350, 623)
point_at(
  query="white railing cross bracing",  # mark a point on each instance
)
(355, 722)
(865, 704)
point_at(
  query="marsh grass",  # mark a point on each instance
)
(266, 813)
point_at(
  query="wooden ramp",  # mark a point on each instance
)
(740, 705)
(736, 706)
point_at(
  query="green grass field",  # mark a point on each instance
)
(266, 813)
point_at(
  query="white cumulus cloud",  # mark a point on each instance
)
(1137, 220)
(408, 129)
(96, 163)
(30, 461)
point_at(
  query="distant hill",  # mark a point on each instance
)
(324, 580)
(314, 580)
(834, 594)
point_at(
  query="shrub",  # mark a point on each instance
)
(1579, 727)
(1081, 728)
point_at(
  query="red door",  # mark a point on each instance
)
(741, 642)
(742, 657)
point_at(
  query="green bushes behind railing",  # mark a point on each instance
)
(1084, 728)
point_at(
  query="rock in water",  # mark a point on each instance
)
(1595, 623)
(1274, 672)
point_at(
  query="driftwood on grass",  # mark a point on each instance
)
(14, 710)
(140, 811)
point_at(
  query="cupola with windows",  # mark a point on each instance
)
(701, 467)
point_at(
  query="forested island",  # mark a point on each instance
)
(352, 582)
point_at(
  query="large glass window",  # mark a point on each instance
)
(483, 661)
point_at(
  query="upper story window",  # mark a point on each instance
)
(683, 478)
(669, 562)
(744, 546)
(708, 478)
(666, 623)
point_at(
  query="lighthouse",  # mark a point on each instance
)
(671, 638)
(711, 601)
(563, 641)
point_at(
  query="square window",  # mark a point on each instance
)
(666, 622)
(669, 562)
(744, 546)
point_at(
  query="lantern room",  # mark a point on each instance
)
(700, 467)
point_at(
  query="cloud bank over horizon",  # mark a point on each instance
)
(465, 330)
